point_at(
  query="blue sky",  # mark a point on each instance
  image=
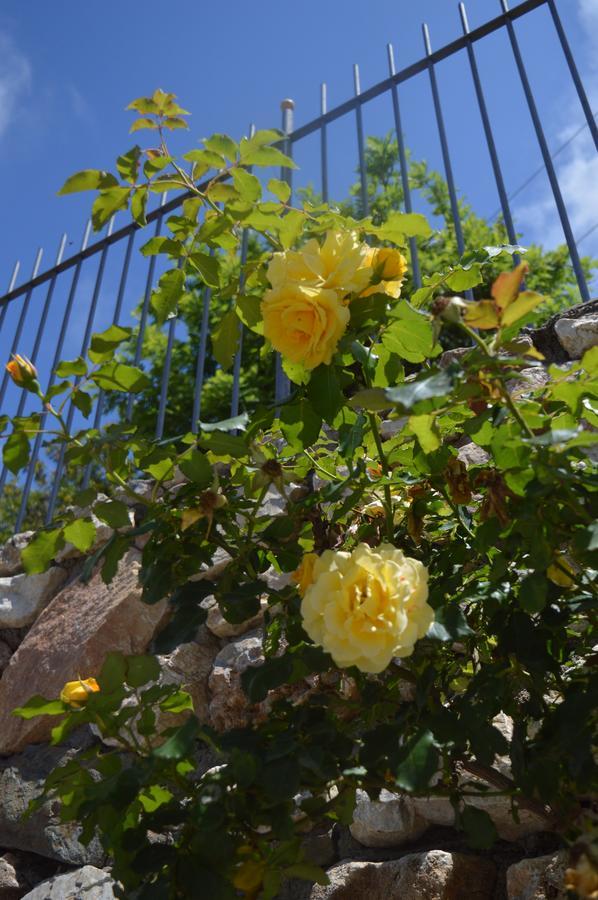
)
(67, 71)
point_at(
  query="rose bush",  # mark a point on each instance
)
(372, 424)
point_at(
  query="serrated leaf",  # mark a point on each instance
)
(167, 296)
(128, 164)
(107, 204)
(461, 279)
(300, 424)
(113, 512)
(266, 156)
(222, 145)
(207, 266)
(247, 185)
(280, 189)
(372, 399)
(71, 367)
(81, 534)
(141, 123)
(449, 624)
(419, 763)
(425, 429)
(40, 706)
(225, 339)
(410, 335)
(139, 204)
(88, 180)
(15, 453)
(480, 829)
(429, 387)
(41, 550)
(120, 377)
(324, 393)
(179, 743)
(195, 466)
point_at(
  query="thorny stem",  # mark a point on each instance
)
(386, 470)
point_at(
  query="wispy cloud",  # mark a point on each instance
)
(15, 81)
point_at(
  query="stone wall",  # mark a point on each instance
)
(53, 628)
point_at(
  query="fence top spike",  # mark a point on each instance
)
(13, 277)
(61, 247)
(323, 98)
(110, 226)
(86, 234)
(251, 130)
(356, 80)
(463, 14)
(505, 5)
(426, 34)
(36, 264)
(391, 58)
(287, 103)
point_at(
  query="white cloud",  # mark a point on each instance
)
(15, 81)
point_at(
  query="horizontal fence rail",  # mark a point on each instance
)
(78, 298)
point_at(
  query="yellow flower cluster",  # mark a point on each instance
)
(364, 607)
(306, 311)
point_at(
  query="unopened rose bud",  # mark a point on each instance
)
(76, 693)
(272, 469)
(210, 501)
(448, 309)
(22, 371)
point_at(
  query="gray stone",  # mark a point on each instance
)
(577, 335)
(434, 875)
(5, 654)
(218, 625)
(539, 878)
(472, 455)
(23, 597)
(10, 888)
(229, 707)
(10, 553)
(21, 780)
(390, 427)
(87, 883)
(20, 872)
(530, 379)
(439, 811)
(390, 821)
(189, 665)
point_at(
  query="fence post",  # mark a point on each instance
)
(281, 382)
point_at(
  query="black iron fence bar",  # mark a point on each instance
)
(84, 347)
(36, 345)
(234, 403)
(149, 282)
(498, 176)
(281, 382)
(166, 374)
(11, 284)
(52, 377)
(324, 143)
(416, 68)
(446, 157)
(21, 322)
(363, 181)
(583, 97)
(115, 320)
(417, 281)
(550, 170)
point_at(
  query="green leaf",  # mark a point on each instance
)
(266, 156)
(41, 550)
(39, 706)
(308, 872)
(223, 444)
(143, 122)
(114, 513)
(195, 466)
(223, 145)
(410, 334)
(449, 624)
(83, 401)
(88, 180)
(398, 226)
(128, 164)
(141, 670)
(372, 399)
(300, 424)
(350, 437)
(15, 453)
(67, 368)
(479, 827)
(419, 763)
(247, 185)
(205, 160)
(115, 549)
(225, 339)
(258, 680)
(221, 192)
(81, 534)
(430, 387)
(180, 742)
(426, 431)
(113, 672)
(464, 278)
(104, 343)
(120, 377)
(167, 296)
(235, 423)
(324, 393)
(242, 603)
(533, 592)
(107, 203)
(280, 189)
(188, 615)
(207, 266)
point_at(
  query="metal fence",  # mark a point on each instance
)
(59, 306)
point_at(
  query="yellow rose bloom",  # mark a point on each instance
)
(76, 693)
(21, 369)
(304, 575)
(304, 324)
(367, 606)
(338, 264)
(391, 266)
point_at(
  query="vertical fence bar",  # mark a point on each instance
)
(446, 157)
(365, 205)
(498, 177)
(145, 308)
(234, 401)
(57, 354)
(550, 170)
(36, 345)
(115, 320)
(583, 97)
(324, 142)
(21, 322)
(417, 281)
(281, 382)
(11, 285)
(84, 345)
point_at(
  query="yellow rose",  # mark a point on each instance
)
(21, 370)
(583, 879)
(304, 324)
(338, 264)
(304, 575)
(367, 606)
(391, 266)
(76, 693)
